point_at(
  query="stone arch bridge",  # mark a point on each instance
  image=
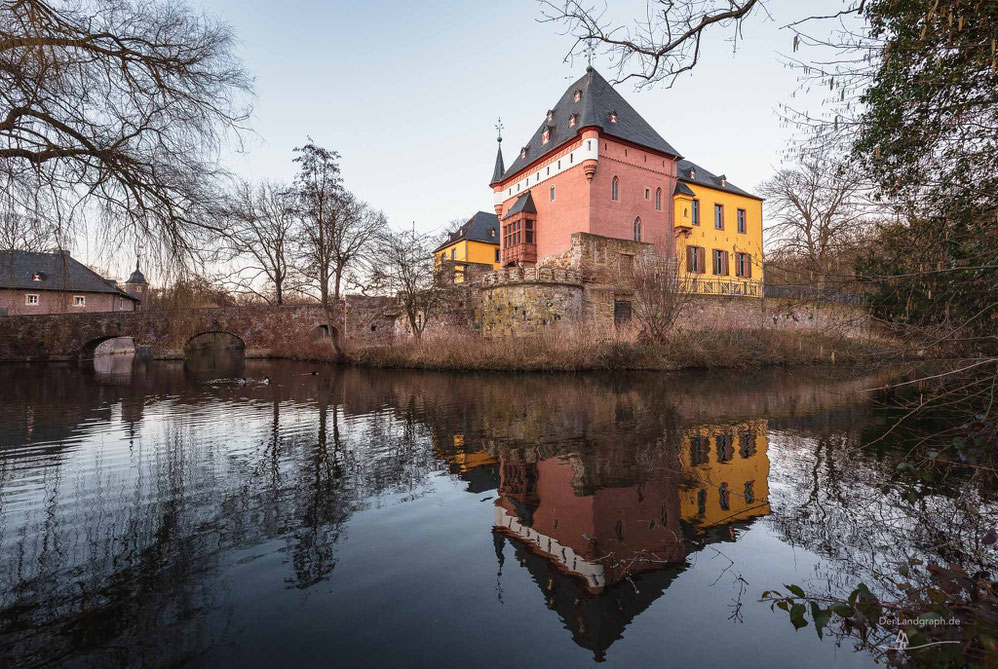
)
(264, 330)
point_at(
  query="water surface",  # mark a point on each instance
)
(153, 515)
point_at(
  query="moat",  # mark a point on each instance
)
(161, 514)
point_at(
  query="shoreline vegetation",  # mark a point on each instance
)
(580, 352)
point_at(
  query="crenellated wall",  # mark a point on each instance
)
(526, 300)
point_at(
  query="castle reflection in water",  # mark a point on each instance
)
(584, 520)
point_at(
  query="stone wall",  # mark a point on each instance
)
(525, 301)
(732, 313)
(265, 330)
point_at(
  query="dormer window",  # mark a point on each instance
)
(546, 135)
(578, 95)
(492, 232)
(523, 152)
(613, 117)
(571, 120)
(724, 180)
(550, 115)
(693, 173)
(37, 276)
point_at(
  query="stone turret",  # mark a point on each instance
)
(136, 285)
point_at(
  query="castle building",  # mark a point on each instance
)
(595, 166)
(474, 245)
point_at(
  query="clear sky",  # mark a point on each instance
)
(409, 92)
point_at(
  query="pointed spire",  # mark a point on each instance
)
(500, 169)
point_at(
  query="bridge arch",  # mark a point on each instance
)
(89, 349)
(214, 340)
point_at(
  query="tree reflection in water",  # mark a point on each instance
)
(131, 514)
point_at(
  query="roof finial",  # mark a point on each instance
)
(589, 56)
(499, 130)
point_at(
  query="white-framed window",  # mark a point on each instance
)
(79, 300)
(719, 217)
(552, 193)
(31, 299)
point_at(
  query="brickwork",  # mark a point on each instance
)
(15, 302)
(263, 330)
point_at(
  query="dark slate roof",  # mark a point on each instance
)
(499, 169)
(705, 178)
(137, 277)
(593, 109)
(482, 227)
(58, 271)
(683, 189)
(524, 203)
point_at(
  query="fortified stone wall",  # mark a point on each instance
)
(523, 301)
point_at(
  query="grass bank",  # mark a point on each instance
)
(582, 352)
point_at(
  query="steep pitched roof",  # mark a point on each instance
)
(705, 178)
(57, 271)
(683, 189)
(597, 100)
(499, 169)
(524, 203)
(482, 227)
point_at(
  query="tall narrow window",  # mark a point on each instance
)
(497, 255)
(696, 212)
(720, 262)
(637, 229)
(552, 193)
(719, 216)
(695, 259)
(647, 193)
(615, 189)
(453, 254)
(741, 221)
(658, 199)
(743, 265)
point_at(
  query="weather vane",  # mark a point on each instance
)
(499, 129)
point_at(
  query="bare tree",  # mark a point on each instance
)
(657, 47)
(816, 210)
(661, 293)
(336, 228)
(405, 270)
(18, 233)
(115, 110)
(260, 238)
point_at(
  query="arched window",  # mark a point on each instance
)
(615, 189)
(637, 229)
(658, 199)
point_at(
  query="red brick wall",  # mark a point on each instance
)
(637, 169)
(58, 302)
(581, 206)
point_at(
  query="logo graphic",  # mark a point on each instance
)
(901, 643)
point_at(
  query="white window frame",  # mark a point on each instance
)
(79, 300)
(28, 302)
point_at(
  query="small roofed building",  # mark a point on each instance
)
(474, 247)
(33, 283)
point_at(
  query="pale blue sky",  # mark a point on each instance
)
(408, 93)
